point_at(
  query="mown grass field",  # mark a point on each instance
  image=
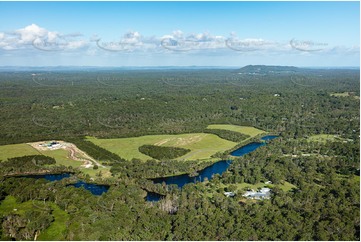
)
(202, 145)
(61, 157)
(323, 138)
(16, 150)
(251, 131)
(56, 229)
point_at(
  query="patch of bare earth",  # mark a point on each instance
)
(190, 140)
(74, 152)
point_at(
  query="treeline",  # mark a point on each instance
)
(119, 214)
(163, 152)
(227, 134)
(324, 206)
(29, 164)
(153, 169)
(26, 226)
(95, 151)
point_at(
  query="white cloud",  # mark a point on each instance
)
(28, 42)
(253, 44)
(178, 41)
(52, 36)
(130, 42)
(76, 44)
(30, 33)
(35, 36)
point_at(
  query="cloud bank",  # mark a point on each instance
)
(33, 40)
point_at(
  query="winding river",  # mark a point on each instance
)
(217, 168)
(180, 180)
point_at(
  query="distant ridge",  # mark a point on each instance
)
(263, 69)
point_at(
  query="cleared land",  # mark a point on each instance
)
(241, 187)
(202, 145)
(251, 131)
(345, 94)
(61, 157)
(324, 138)
(68, 155)
(73, 152)
(286, 186)
(16, 150)
(57, 228)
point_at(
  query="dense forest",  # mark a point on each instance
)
(120, 103)
(315, 184)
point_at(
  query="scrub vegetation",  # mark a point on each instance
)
(136, 125)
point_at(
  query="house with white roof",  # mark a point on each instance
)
(264, 193)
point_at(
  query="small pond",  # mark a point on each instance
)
(153, 197)
(95, 189)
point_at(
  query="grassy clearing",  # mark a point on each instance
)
(340, 94)
(105, 172)
(53, 232)
(251, 131)
(61, 157)
(345, 94)
(202, 145)
(286, 186)
(323, 138)
(16, 150)
(8, 205)
(57, 228)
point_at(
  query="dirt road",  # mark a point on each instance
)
(74, 152)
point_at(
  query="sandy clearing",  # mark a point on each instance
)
(162, 142)
(74, 152)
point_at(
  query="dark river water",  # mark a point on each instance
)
(181, 180)
(49, 177)
(93, 188)
(217, 168)
(153, 197)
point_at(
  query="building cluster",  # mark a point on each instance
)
(51, 145)
(264, 193)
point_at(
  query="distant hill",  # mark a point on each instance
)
(263, 70)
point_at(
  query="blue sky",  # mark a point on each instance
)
(179, 33)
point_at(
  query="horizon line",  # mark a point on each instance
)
(178, 66)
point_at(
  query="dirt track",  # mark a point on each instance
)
(74, 152)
